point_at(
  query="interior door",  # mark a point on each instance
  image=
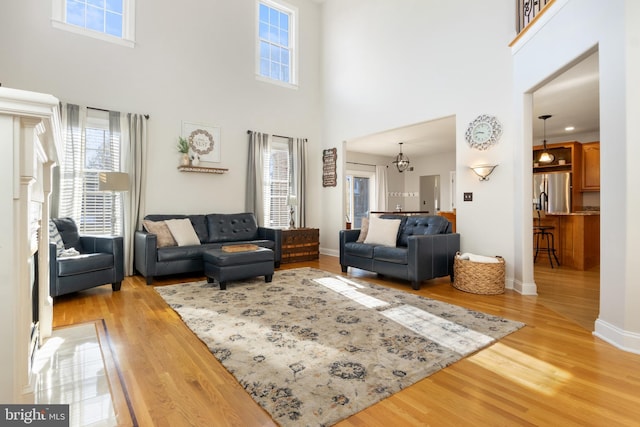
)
(430, 193)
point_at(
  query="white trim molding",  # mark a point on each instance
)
(624, 340)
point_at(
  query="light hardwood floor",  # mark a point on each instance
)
(552, 372)
(572, 293)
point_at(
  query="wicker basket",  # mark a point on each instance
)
(478, 277)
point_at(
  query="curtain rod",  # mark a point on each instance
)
(361, 164)
(146, 116)
(277, 136)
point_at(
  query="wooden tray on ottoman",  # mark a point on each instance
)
(239, 248)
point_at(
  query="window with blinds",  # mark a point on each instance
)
(95, 212)
(277, 184)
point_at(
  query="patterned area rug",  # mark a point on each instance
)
(313, 348)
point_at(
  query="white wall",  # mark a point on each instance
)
(573, 30)
(193, 61)
(388, 64)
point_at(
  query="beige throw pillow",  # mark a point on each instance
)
(183, 231)
(382, 231)
(160, 229)
(364, 229)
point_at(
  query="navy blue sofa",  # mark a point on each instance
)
(425, 249)
(213, 230)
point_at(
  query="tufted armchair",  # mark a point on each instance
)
(99, 260)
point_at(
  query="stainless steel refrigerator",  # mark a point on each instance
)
(552, 191)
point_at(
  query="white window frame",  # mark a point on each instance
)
(89, 202)
(292, 11)
(59, 20)
(282, 145)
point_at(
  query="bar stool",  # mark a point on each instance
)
(542, 232)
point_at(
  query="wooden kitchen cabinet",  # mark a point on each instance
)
(591, 166)
(568, 158)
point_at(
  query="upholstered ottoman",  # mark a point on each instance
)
(227, 264)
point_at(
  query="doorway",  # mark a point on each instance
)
(572, 98)
(360, 188)
(430, 194)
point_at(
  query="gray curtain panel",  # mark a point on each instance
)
(381, 190)
(68, 192)
(298, 155)
(258, 148)
(134, 155)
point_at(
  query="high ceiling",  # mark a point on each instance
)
(572, 98)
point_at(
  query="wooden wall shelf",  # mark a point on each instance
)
(201, 169)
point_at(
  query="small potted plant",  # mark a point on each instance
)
(183, 148)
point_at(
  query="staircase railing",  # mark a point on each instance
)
(526, 11)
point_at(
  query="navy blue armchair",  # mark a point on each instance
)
(100, 261)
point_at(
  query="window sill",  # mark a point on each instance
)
(276, 82)
(93, 34)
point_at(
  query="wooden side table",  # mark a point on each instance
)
(300, 244)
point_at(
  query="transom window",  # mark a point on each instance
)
(276, 39)
(110, 20)
(104, 16)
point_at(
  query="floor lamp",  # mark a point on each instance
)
(113, 182)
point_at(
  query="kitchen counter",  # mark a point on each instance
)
(577, 237)
(574, 213)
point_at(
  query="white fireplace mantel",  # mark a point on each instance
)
(31, 143)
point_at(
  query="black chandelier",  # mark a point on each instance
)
(401, 161)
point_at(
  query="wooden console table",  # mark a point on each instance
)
(300, 244)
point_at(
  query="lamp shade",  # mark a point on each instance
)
(293, 200)
(113, 181)
(483, 171)
(546, 157)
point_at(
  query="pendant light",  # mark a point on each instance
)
(401, 161)
(545, 157)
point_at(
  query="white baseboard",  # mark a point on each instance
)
(624, 340)
(330, 252)
(525, 288)
(509, 283)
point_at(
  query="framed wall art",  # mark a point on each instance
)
(204, 141)
(329, 175)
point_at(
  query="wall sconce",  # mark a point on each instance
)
(483, 171)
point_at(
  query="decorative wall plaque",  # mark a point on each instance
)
(329, 175)
(204, 141)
